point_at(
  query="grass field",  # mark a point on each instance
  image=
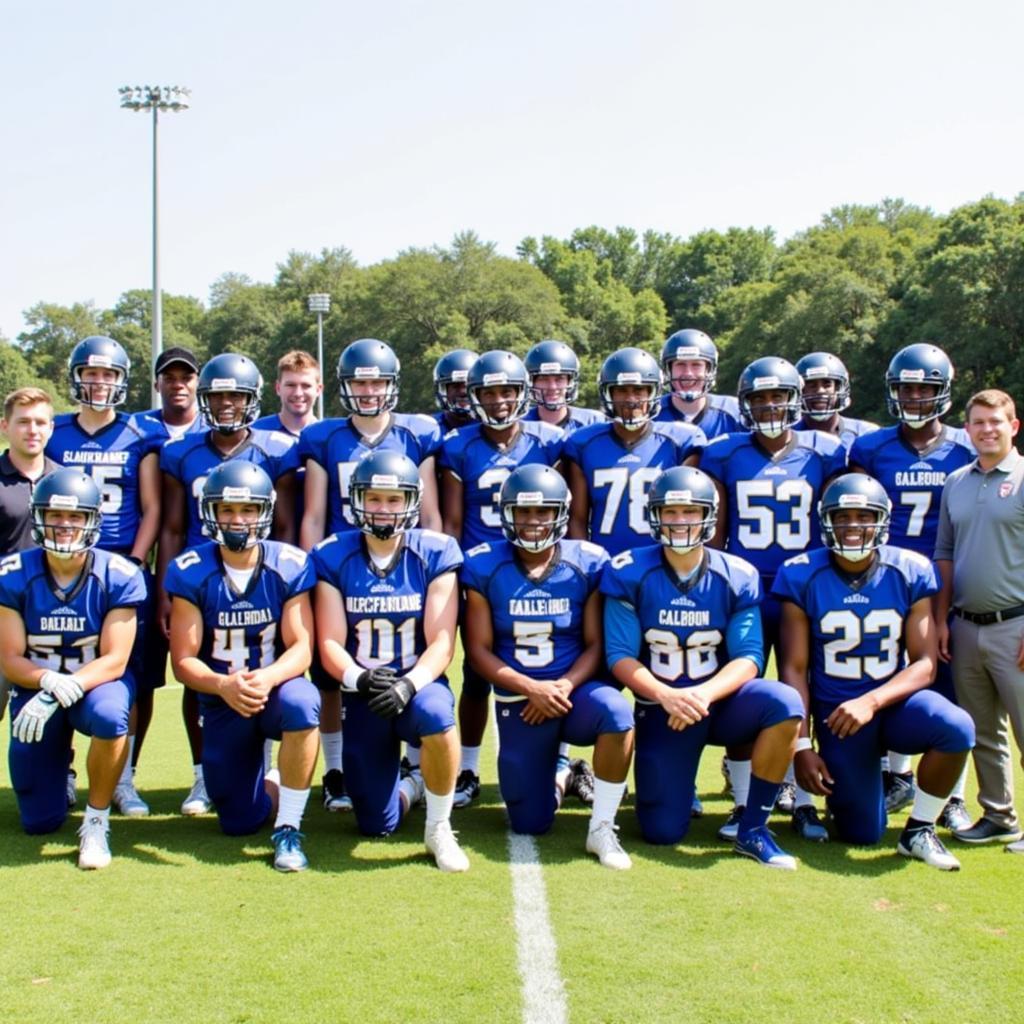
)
(188, 925)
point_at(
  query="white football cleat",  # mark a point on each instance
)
(128, 802)
(197, 801)
(93, 846)
(604, 844)
(924, 845)
(441, 842)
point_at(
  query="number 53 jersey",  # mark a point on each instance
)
(856, 622)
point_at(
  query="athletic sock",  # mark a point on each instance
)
(760, 801)
(268, 755)
(960, 786)
(926, 808)
(126, 771)
(900, 764)
(291, 805)
(607, 797)
(412, 755)
(802, 798)
(439, 808)
(95, 812)
(332, 744)
(470, 760)
(739, 777)
(197, 773)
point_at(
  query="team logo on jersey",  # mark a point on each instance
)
(685, 602)
(856, 599)
(1005, 490)
(382, 588)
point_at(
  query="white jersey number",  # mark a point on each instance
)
(761, 526)
(229, 646)
(631, 484)
(697, 660)
(376, 643)
(849, 631)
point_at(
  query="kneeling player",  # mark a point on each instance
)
(67, 625)
(859, 645)
(533, 630)
(242, 637)
(387, 607)
(683, 632)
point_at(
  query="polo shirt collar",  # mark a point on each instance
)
(1009, 461)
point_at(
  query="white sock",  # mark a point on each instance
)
(885, 762)
(408, 791)
(412, 755)
(927, 807)
(562, 778)
(126, 771)
(899, 764)
(803, 798)
(739, 776)
(439, 808)
(790, 775)
(291, 805)
(268, 755)
(332, 744)
(607, 797)
(470, 760)
(960, 786)
(197, 773)
(563, 749)
(95, 812)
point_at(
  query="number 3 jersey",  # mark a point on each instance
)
(856, 622)
(384, 606)
(538, 623)
(241, 628)
(63, 627)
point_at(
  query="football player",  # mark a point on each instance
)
(67, 627)
(825, 394)
(683, 632)
(387, 605)
(241, 638)
(450, 394)
(859, 645)
(533, 630)
(689, 362)
(554, 372)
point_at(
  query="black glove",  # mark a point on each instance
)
(375, 680)
(391, 702)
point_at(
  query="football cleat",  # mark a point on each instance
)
(441, 842)
(954, 815)
(985, 830)
(467, 788)
(581, 781)
(923, 844)
(288, 855)
(604, 844)
(759, 844)
(807, 825)
(128, 802)
(730, 830)
(335, 796)
(1017, 847)
(197, 801)
(70, 789)
(899, 791)
(785, 802)
(93, 844)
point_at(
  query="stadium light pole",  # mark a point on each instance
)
(155, 98)
(320, 303)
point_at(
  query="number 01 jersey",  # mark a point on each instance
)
(63, 627)
(384, 606)
(856, 622)
(538, 623)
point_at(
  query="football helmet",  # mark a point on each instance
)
(689, 344)
(241, 483)
(230, 372)
(682, 485)
(68, 490)
(552, 357)
(453, 368)
(770, 373)
(496, 369)
(629, 366)
(368, 359)
(854, 491)
(824, 366)
(104, 353)
(534, 486)
(381, 470)
(919, 364)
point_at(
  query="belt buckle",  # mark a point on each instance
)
(998, 616)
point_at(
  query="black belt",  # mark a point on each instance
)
(987, 618)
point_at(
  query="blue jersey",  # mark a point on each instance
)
(274, 423)
(685, 629)
(446, 422)
(384, 609)
(192, 458)
(856, 622)
(720, 415)
(336, 446)
(63, 627)
(240, 628)
(577, 418)
(912, 479)
(848, 432)
(151, 422)
(112, 457)
(538, 623)
(619, 475)
(482, 467)
(773, 499)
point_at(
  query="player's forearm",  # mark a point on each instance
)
(496, 671)
(20, 671)
(633, 674)
(434, 661)
(334, 658)
(293, 662)
(916, 676)
(104, 669)
(586, 666)
(149, 533)
(190, 671)
(727, 681)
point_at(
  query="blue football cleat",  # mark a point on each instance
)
(759, 845)
(288, 855)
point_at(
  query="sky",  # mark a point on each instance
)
(380, 127)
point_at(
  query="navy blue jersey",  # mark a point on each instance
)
(111, 457)
(856, 622)
(336, 446)
(63, 627)
(384, 609)
(538, 623)
(482, 467)
(720, 415)
(240, 629)
(912, 479)
(151, 422)
(684, 627)
(192, 458)
(848, 432)
(773, 499)
(577, 418)
(619, 475)
(274, 423)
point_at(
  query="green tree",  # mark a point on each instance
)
(53, 331)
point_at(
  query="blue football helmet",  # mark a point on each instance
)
(627, 367)
(854, 491)
(237, 482)
(68, 490)
(453, 368)
(534, 486)
(919, 364)
(368, 359)
(770, 373)
(381, 470)
(689, 344)
(683, 485)
(103, 353)
(823, 366)
(550, 358)
(232, 373)
(498, 369)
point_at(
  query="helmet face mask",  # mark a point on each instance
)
(369, 378)
(246, 488)
(498, 392)
(769, 396)
(818, 400)
(554, 372)
(533, 507)
(385, 494)
(855, 513)
(682, 509)
(93, 354)
(231, 374)
(451, 372)
(629, 385)
(681, 356)
(66, 514)
(919, 385)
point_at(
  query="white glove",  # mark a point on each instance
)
(32, 718)
(67, 689)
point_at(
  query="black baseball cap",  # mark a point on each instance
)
(176, 354)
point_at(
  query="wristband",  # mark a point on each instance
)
(350, 677)
(804, 743)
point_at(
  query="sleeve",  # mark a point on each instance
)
(469, 577)
(449, 454)
(321, 561)
(923, 579)
(621, 632)
(944, 537)
(446, 559)
(128, 584)
(303, 578)
(614, 585)
(170, 458)
(859, 454)
(713, 456)
(554, 447)
(284, 461)
(12, 583)
(178, 582)
(307, 448)
(743, 637)
(429, 438)
(571, 449)
(786, 587)
(694, 444)
(836, 462)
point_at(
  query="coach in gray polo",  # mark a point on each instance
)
(980, 556)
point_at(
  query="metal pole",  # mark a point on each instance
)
(320, 358)
(157, 342)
